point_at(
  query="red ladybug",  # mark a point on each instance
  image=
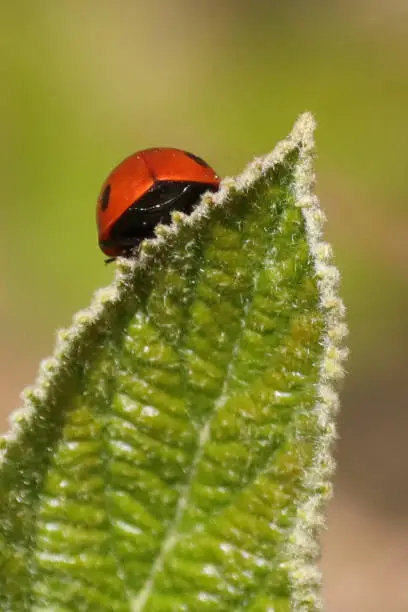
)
(143, 191)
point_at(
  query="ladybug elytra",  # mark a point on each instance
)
(143, 190)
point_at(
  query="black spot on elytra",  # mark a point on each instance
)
(197, 159)
(104, 199)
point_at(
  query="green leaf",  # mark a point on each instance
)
(175, 452)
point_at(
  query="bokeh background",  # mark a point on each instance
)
(83, 84)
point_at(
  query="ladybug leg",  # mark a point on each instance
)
(125, 248)
(126, 253)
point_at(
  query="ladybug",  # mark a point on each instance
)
(143, 190)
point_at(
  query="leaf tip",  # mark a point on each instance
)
(304, 128)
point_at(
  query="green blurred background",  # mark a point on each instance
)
(83, 84)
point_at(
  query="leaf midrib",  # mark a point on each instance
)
(171, 538)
